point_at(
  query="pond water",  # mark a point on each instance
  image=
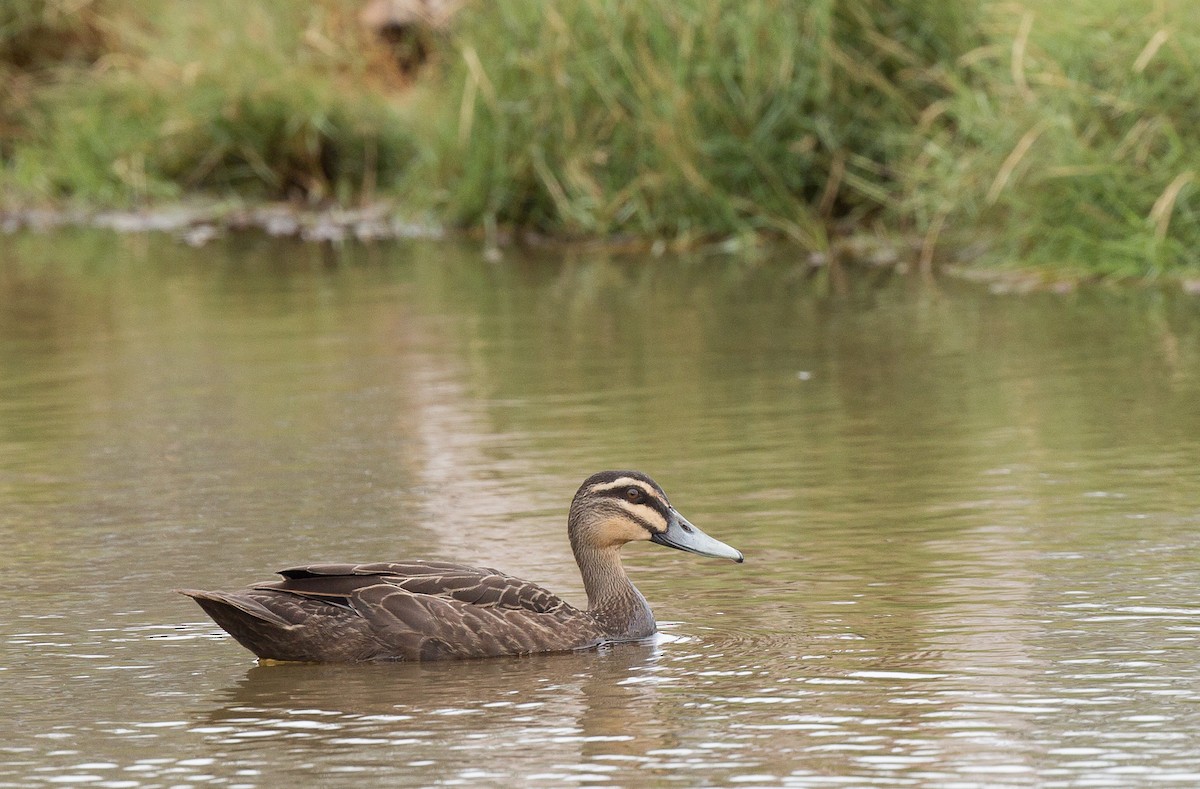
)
(971, 522)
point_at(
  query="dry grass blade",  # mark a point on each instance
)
(1156, 41)
(1164, 206)
(1020, 43)
(1012, 161)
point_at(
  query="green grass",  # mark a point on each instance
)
(688, 119)
(36, 36)
(1072, 140)
(1064, 136)
(266, 100)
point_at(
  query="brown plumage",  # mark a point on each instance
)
(423, 610)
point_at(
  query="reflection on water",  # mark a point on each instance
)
(970, 522)
(479, 721)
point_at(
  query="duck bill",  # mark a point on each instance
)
(683, 535)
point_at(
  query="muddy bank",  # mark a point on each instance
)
(196, 224)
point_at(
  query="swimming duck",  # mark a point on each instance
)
(427, 610)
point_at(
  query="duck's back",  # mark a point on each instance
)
(414, 610)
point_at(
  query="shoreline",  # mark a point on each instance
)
(198, 223)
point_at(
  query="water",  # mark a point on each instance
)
(970, 521)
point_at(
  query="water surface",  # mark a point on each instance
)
(970, 521)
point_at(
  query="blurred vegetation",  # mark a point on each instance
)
(1072, 138)
(36, 38)
(269, 99)
(691, 119)
(1059, 135)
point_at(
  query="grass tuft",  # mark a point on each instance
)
(1061, 135)
(36, 37)
(1072, 139)
(688, 119)
(265, 100)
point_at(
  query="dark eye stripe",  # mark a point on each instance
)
(620, 486)
(619, 491)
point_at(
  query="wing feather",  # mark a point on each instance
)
(412, 610)
(432, 626)
(477, 586)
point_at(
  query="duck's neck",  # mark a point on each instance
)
(613, 601)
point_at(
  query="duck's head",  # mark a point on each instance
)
(612, 508)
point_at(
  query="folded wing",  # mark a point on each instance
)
(414, 610)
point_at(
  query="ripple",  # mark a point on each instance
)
(942, 588)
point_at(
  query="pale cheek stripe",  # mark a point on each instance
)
(650, 518)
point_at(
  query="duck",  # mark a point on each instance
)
(434, 610)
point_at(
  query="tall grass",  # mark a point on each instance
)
(1062, 134)
(689, 118)
(1072, 139)
(264, 99)
(35, 37)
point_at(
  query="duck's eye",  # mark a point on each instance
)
(635, 495)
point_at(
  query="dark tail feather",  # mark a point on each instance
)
(253, 625)
(223, 605)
